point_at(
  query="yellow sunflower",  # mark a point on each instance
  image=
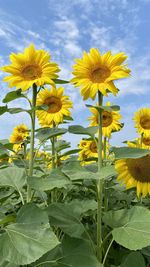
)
(110, 120)
(58, 106)
(144, 143)
(88, 150)
(142, 121)
(20, 133)
(17, 139)
(22, 129)
(95, 72)
(31, 67)
(135, 173)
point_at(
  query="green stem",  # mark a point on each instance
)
(21, 196)
(105, 182)
(105, 155)
(107, 251)
(99, 183)
(34, 96)
(53, 152)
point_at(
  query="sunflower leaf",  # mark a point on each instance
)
(134, 230)
(77, 129)
(129, 152)
(46, 133)
(13, 177)
(56, 179)
(28, 239)
(3, 109)
(107, 108)
(16, 110)
(133, 259)
(13, 95)
(59, 81)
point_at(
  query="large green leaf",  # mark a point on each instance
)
(78, 253)
(78, 129)
(75, 171)
(134, 232)
(7, 264)
(28, 239)
(30, 213)
(134, 259)
(81, 207)
(13, 95)
(64, 217)
(46, 133)
(51, 259)
(129, 152)
(14, 177)
(56, 179)
(61, 144)
(16, 243)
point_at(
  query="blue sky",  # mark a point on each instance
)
(67, 27)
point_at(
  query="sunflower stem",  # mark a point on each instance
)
(53, 148)
(99, 183)
(34, 96)
(141, 141)
(105, 182)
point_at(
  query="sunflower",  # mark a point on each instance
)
(135, 173)
(88, 150)
(19, 135)
(144, 143)
(17, 139)
(142, 121)
(95, 72)
(110, 120)
(31, 67)
(22, 129)
(58, 106)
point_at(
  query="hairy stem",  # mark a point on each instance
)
(34, 96)
(99, 183)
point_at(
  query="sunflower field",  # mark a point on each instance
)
(83, 207)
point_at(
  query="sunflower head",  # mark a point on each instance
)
(19, 135)
(57, 104)
(142, 121)
(30, 67)
(22, 129)
(17, 139)
(135, 173)
(110, 120)
(143, 142)
(95, 72)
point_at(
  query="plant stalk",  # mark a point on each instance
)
(99, 183)
(105, 181)
(33, 112)
(53, 149)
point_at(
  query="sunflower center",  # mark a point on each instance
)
(31, 72)
(19, 138)
(145, 122)
(140, 168)
(93, 147)
(54, 104)
(107, 118)
(99, 75)
(146, 141)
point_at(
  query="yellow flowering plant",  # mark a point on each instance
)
(65, 206)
